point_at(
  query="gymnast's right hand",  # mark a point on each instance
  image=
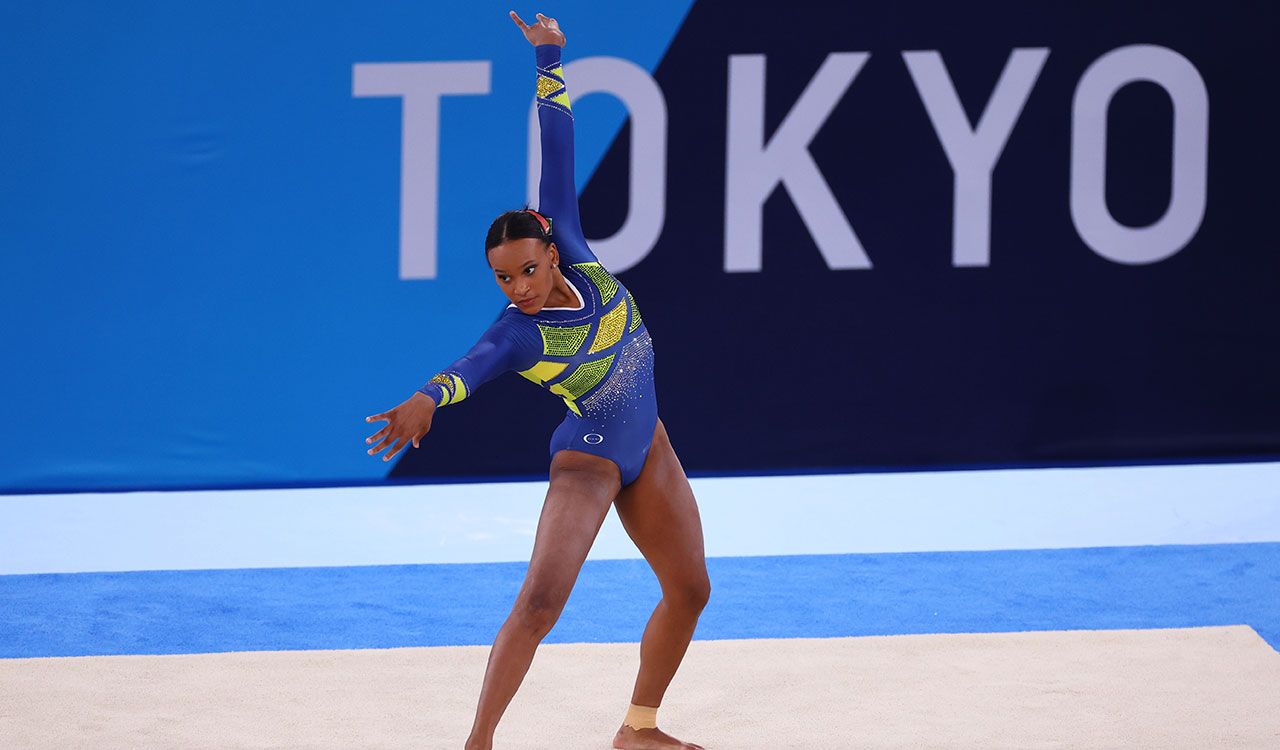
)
(408, 422)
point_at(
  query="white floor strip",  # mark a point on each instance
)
(908, 512)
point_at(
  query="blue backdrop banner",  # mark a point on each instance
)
(861, 235)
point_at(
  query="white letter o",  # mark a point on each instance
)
(1093, 220)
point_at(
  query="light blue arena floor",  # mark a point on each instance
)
(790, 557)
(195, 611)
(827, 514)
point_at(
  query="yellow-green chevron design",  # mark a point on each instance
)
(601, 278)
(584, 378)
(610, 330)
(565, 341)
(635, 313)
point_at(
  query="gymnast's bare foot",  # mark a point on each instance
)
(649, 739)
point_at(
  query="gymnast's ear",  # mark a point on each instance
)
(555, 254)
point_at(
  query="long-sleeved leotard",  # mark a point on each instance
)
(597, 356)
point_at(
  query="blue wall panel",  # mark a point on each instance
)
(199, 244)
(199, 235)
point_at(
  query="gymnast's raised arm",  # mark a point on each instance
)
(557, 195)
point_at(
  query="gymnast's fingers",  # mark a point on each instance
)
(395, 450)
(382, 444)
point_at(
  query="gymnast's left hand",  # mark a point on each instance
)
(406, 423)
(543, 31)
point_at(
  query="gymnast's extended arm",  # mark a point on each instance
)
(507, 345)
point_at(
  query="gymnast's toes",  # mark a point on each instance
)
(649, 739)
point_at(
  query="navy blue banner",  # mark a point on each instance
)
(945, 235)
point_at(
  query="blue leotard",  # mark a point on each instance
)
(597, 356)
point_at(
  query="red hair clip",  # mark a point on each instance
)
(546, 224)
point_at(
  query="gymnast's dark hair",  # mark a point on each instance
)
(518, 225)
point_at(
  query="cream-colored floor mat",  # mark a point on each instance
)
(1196, 688)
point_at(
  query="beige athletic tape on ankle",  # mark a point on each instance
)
(641, 717)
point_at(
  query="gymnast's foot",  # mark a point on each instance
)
(649, 739)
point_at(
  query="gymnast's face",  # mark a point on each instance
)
(525, 272)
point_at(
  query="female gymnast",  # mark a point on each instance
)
(575, 329)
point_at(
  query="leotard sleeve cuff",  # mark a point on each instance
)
(433, 392)
(445, 388)
(548, 55)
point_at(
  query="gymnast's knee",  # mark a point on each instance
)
(537, 612)
(691, 596)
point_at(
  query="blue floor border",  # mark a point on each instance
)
(805, 596)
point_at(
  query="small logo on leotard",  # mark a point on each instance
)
(593, 438)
